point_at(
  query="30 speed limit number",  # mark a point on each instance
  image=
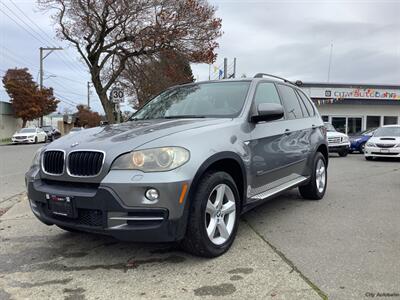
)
(117, 95)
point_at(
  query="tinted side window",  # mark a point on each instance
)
(307, 103)
(266, 93)
(303, 107)
(291, 102)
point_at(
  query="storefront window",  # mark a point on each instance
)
(389, 120)
(339, 123)
(325, 118)
(373, 121)
(354, 125)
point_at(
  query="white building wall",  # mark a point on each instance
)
(348, 110)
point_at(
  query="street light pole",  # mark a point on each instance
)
(43, 55)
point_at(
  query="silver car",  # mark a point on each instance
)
(186, 165)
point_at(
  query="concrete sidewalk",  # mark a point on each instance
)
(41, 262)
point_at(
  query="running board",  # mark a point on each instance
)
(278, 189)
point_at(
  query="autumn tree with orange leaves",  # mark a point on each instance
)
(107, 34)
(27, 100)
(86, 118)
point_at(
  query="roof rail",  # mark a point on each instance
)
(261, 75)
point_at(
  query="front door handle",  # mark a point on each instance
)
(314, 126)
(287, 131)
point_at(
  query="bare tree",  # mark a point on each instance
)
(154, 74)
(108, 33)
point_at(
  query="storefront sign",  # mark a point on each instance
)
(353, 93)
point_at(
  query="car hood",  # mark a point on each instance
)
(385, 140)
(120, 138)
(335, 134)
(24, 134)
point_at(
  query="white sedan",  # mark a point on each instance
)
(384, 143)
(29, 135)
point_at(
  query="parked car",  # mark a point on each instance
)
(358, 141)
(385, 142)
(186, 165)
(338, 142)
(52, 133)
(29, 135)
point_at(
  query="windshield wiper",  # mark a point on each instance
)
(184, 117)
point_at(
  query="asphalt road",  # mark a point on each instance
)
(14, 162)
(346, 245)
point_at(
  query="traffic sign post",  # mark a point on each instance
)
(117, 95)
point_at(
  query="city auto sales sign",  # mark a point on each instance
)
(356, 93)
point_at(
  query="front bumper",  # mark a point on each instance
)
(118, 210)
(382, 152)
(338, 147)
(22, 141)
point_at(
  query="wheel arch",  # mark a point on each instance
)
(325, 152)
(227, 161)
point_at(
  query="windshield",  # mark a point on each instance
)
(368, 131)
(214, 100)
(47, 128)
(329, 127)
(387, 131)
(27, 130)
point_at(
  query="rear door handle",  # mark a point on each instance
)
(314, 126)
(287, 131)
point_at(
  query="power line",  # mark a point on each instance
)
(23, 28)
(46, 38)
(22, 61)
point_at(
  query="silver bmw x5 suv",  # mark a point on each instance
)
(186, 165)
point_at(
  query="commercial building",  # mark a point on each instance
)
(352, 108)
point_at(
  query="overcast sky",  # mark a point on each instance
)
(288, 38)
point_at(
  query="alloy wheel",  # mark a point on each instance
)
(220, 215)
(320, 175)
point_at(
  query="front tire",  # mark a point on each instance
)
(36, 140)
(369, 158)
(362, 148)
(316, 187)
(343, 153)
(214, 216)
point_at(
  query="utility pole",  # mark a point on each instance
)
(88, 94)
(42, 58)
(225, 68)
(330, 62)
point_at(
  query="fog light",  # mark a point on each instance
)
(152, 194)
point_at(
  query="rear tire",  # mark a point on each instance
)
(316, 187)
(213, 217)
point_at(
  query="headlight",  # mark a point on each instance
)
(345, 139)
(152, 160)
(36, 158)
(369, 144)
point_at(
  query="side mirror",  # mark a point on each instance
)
(267, 112)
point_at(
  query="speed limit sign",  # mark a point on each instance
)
(117, 95)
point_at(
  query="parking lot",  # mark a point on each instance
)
(346, 246)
